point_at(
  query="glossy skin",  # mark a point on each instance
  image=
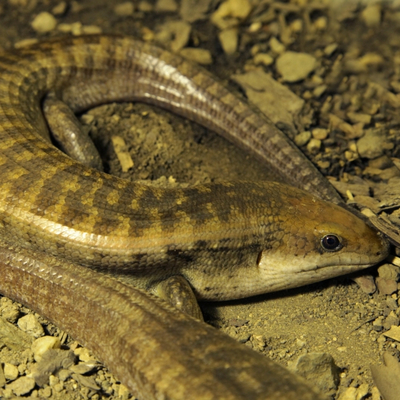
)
(57, 213)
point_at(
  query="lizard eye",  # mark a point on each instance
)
(331, 243)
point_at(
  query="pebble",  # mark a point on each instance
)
(52, 361)
(44, 22)
(91, 29)
(359, 117)
(193, 10)
(63, 374)
(386, 286)
(166, 6)
(371, 15)
(351, 132)
(229, 40)
(86, 381)
(175, 34)
(124, 9)
(9, 310)
(352, 393)
(10, 372)
(371, 144)
(41, 345)
(201, 56)
(302, 138)
(145, 6)
(22, 385)
(30, 324)
(319, 90)
(320, 133)
(391, 320)
(263, 58)
(230, 13)
(393, 333)
(330, 49)
(389, 271)
(314, 145)
(83, 368)
(84, 354)
(320, 369)
(294, 67)
(276, 46)
(321, 23)
(275, 100)
(60, 8)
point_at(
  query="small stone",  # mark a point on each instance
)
(320, 133)
(145, 6)
(22, 385)
(276, 46)
(52, 361)
(166, 6)
(371, 15)
(323, 164)
(46, 392)
(393, 333)
(377, 324)
(330, 49)
(263, 58)
(294, 67)
(86, 381)
(64, 374)
(91, 29)
(371, 144)
(389, 271)
(9, 310)
(60, 8)
(176, 34)
(373, 59)
(44, 22)
(391, 320)
(84, 354)
(83, 368)
(296, 26)
(366, 282)
(230, 13)
(30, 324)
(319, 90)
(41, 345)
(359, 117)
(302, 138)
(319, 368)
(229, 40)
(321, 23)
(124, 9)
(386, 286)
(201, 56)
(194, 10)
(10, 372)
(314, 145)
(352, 393)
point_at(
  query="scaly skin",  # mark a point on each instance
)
(229, 240)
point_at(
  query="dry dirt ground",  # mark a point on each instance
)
(356, 81)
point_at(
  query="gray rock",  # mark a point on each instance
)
(320, 369)
(371, 144)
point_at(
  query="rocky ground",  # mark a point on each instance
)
(328, 74)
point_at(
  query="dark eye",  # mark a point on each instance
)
(331, 243)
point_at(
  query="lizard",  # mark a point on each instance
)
(223, 241)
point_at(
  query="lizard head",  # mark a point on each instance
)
(317, 240)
